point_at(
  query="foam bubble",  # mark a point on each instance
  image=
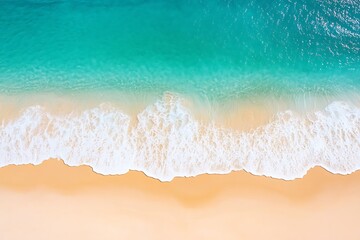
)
(168, 142)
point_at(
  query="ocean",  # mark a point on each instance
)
(176, 88)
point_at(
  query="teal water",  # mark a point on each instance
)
(215, 48)
(305, 51)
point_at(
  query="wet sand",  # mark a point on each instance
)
(54, 201)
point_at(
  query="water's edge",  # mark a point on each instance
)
(157, 179)
(168, 142)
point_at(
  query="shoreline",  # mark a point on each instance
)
(141, 172)
(167, 140)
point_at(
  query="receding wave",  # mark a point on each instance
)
(167, 141)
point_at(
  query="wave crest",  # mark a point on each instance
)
(168, 142)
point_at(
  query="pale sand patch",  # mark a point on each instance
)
(54, 201)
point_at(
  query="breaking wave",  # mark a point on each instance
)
(167, 142)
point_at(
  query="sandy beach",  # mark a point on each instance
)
(179, 120)
(55, 201)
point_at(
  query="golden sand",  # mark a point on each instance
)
(54, 201)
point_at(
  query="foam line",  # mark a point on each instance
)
(168, 142)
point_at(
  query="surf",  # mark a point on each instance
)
(166, 141)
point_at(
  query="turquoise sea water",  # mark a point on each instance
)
(218, 50)
(215, 48)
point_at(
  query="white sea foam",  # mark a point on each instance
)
(167, 141)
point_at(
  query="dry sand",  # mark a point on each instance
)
(54, 201)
